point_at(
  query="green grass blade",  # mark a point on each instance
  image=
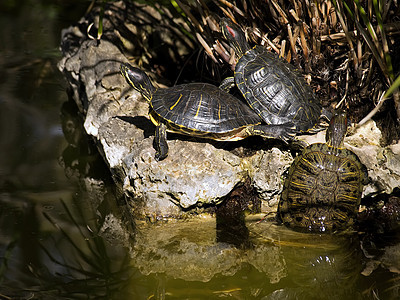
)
(395, 85)
(349, 11)
(367, 22)
(388, 59)
(100, 29)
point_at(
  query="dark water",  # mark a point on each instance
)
(52, 219)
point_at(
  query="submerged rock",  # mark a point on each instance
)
(197, 173)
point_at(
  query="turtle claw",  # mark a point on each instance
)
(284, 132)
(288, 133)
(287, 138)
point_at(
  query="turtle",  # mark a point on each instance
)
(272, 87)
(198, 109)
(322, 191)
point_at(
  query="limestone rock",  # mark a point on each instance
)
(382, 162)
(267, 174)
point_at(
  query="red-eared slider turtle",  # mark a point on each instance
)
(198, 109)
(322, 191)
(272, 87)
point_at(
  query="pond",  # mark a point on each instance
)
(59, 238)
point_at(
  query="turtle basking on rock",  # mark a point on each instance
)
(322, 191)
(200, 110)
(271, 86)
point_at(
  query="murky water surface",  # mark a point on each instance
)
(58, 239)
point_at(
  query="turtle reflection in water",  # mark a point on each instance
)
(322, 191)
(198, 109)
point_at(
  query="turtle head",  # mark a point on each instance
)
(235, 36)
(138, 80)
(337, 129)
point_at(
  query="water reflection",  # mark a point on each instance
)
(50, 245)
(325, 265)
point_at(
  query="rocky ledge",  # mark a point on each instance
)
(197, 173)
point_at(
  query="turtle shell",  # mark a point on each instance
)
(275, 90)
(202, 109)
(322, 191)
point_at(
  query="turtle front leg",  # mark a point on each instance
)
(160, 142)
(227, 84)
(285, 132)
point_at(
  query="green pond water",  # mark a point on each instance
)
(56, 196)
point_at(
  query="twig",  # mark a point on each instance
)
(292, 43)
(190, 16)
(372, 113)
(205, 46)
(346, 89)
(231, 6)
(281, 12)
(346, 31)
